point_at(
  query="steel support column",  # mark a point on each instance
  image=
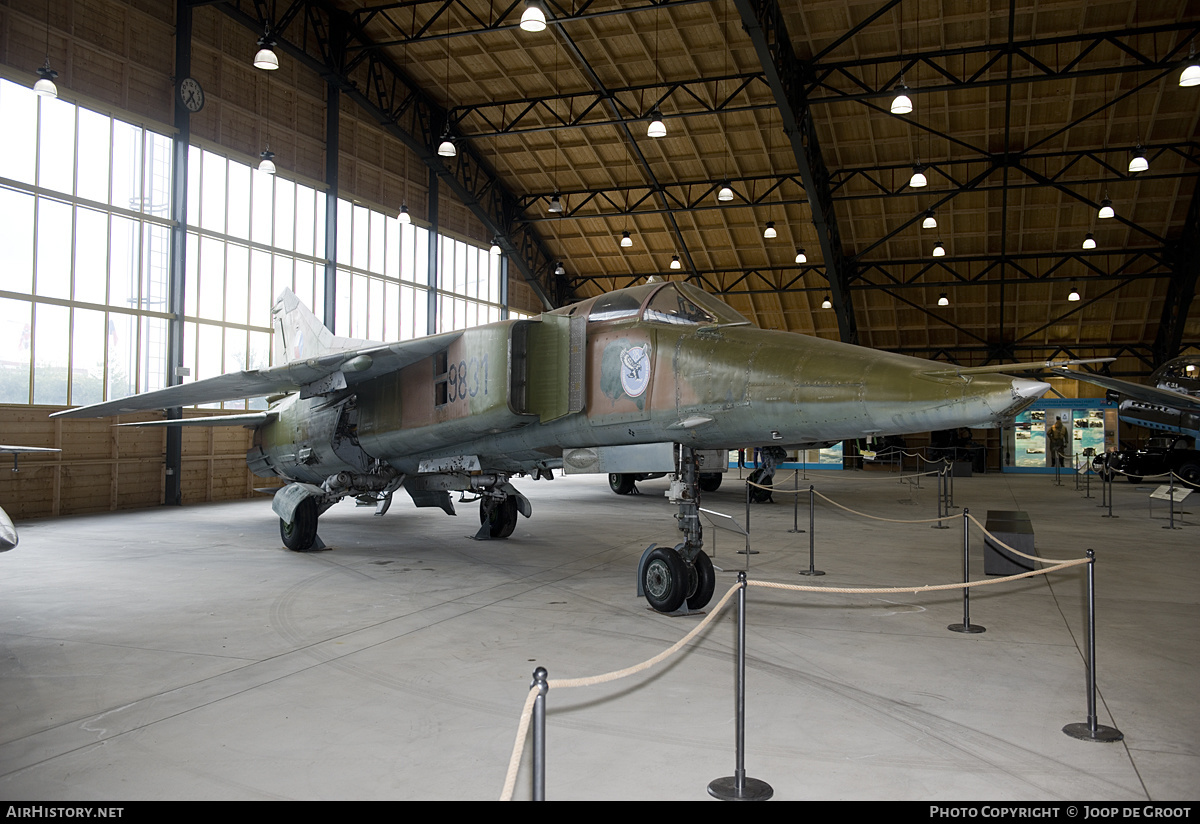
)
(332, 133)
(173, 492)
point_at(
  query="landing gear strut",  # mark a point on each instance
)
(684, 573)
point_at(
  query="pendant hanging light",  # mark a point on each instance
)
(1106, 209)
(675, 264)
(800, 256)
(939, 250)
(44, 87)
(533, 19)
(626, 240)
(827, 303)
(555, 205)
(1191, 72)
(770, 232)
(725, 193)
(446, 148)
(559, 270)
(656, 127)
(1089, 242)
(1074, 296)
(405, 218)
(265, 58)
(1138, 162)
(943, 300)
(901, 103)
(267, 163)
(930, 221)
(495, 251)
(918, 177)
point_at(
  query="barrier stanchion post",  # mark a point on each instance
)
(1057, 467)
(740, 787)
(747, 507)
(1108, 482)
(796, 504)
(941, 481)
(1172, 493)
(966, 626)
(812, 497)
(542, 685)
(1090, 730)
(1087, 481)
(950, 488)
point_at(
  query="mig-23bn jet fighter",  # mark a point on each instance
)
(639, 380)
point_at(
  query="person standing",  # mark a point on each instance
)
(1056, 442)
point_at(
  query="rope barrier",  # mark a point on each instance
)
(514, 762)
(591, 680)
(889, 520)
(914, 590)
(518, 751)
(795, 472)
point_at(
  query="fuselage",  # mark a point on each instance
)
(654, 364)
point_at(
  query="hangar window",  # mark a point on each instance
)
(250, 235)
(84, 233)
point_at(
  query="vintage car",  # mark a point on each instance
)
(1158, 457)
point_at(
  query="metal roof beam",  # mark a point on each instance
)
(1184, 258)
(764, 22)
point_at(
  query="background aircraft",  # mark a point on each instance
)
(1170, 404)
(8, 532)
(639, 380)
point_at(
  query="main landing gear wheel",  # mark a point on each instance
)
(501, 517)
(620, 484)
(706, 582)
(665, 579)
(301, 533)
(710, 481)
(758, 495)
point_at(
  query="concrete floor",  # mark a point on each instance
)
(184, 654)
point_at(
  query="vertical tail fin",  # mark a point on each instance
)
(299, 335)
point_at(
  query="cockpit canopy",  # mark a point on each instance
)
(674, 303)
(1180, 375)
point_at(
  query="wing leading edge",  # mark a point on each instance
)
(314, 361)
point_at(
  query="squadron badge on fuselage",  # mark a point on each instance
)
(635, 370)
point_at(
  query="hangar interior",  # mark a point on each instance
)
(143, 243)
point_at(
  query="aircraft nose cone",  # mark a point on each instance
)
(1027, 389)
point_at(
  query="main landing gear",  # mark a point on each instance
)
(672, 576)
(498, 517)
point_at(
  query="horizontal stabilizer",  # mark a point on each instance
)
(1006, 368)
(249, 419)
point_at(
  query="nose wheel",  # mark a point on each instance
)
(669, 580)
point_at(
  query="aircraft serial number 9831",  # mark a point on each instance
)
(633, 382)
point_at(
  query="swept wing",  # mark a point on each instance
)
(1137, 391)
(314, 376)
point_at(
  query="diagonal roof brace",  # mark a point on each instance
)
(765, 25)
